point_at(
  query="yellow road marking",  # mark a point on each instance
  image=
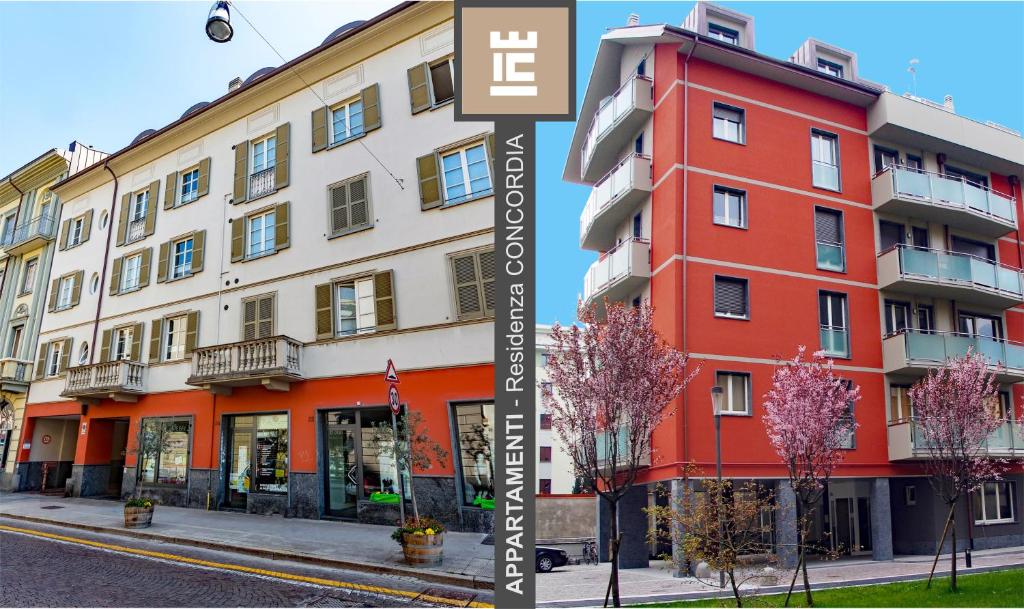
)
(253, 570)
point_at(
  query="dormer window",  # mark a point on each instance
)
(720, 32)
(830, 68)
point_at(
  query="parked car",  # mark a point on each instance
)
(549, 558)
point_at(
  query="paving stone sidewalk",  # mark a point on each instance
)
(364, 547)
(584, 585)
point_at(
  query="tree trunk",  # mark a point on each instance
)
(412, 496)
(938, 549)
(952, 555)
(806, 512)
(613, 545)
(792, 582)
(807, 583)
(735, 590)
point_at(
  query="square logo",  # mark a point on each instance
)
(515, 61)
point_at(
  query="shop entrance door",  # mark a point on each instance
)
(850, 517)
(342, 463)
(239, 476)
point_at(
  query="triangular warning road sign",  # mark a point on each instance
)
(390, 374)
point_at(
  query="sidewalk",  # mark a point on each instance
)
(584, 585)
(363, 547)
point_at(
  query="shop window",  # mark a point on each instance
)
(474, 425)
(379, 469)
(163, 454)
(259, 456)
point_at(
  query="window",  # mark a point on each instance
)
(731, 298)
(910, 495)
(473, 274)
(190, 185)
(53, 358)
(15, 343)
(899, 403)
(920, 236)
(545, 421)
(925, 319)
(347, 121)
(83, 354)
(466, 173)
(65, 292)
(730, 207)
(719, 32)
(890, 234)
(729, 123)
(94, 283)
(475, 426)
(545, 486)
(8, 230)
(131, 272)
(442, 86)
(258, 317)
(355, 307)
(264, 154)
(993, 503)
(28, 277)
(163, 455)
(76, 231)
(139, 205)
(638, 226)
(545, 454)
(829, 241)
(825, 159)
(261, 234)
(545, 359)
(914, 162)
(897, 317)
(258, 456)
(981, 326)
(641, 68)
(885, 158)
(638, 144)
(830, 68)
(182, 258)
(832, 319)
(350, 206)
(848, 422)
(735, 392)
(173, 340)
(122, 347)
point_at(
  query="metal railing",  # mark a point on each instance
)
(950, 191)
(41, 226)
(121, 375)
(610, 112)
(935, 348)
(617, 182)
(957, 268)
(136, 229)
(248, 358)
(14, 369)
(615, 264)
(261, 183)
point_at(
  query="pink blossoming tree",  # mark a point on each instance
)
(807, 419)
(615, 381)
(955, 411)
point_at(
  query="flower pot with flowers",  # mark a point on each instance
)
(422, 541)
(138, 513)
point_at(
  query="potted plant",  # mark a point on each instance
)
(138, 513)
(422, 541)
(149, 441)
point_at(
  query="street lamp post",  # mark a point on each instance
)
(716, 408)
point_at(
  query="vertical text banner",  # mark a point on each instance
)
(514, 66)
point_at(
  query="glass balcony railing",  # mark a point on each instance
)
(1006, 438)
(620, 262)
(959, 269)
(835, 341)
(951, 191)
(632, 173)
(935, 348)
(612, 110)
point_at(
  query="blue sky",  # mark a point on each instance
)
(956, 44)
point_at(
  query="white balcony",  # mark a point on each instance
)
(261, 183)
(15, 374)
(952, 275)
(911, 353)
(32, 234)
(612, 200)
(945, 200)
(618, 273)
(907, 441)
(614, 125)
(121, 381)
(273, 362)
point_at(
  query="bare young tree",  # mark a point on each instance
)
(414, 449)
(615, 380)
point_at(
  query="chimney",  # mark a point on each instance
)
(633, 19)
(234, 84)
(948, 103)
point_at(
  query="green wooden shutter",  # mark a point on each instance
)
(487, 268)
(154, 197)
(137, 338)
(281, 151)
(156, 328)
(238, 239)
(162, 262)
(198, 250)
(122, 219)
(371, 107)
(384, 294)
(40, 370)
(281, 237)
(144, 266)
(467, 287)
(54, 288)
(65, 354)
(170, 190)
(489, 145)
(105, 346)
(241, 172)
(115, 276)
(65, 228)
(265, 317)
(339, 209)
(76, 292)
(204, 178)
(419, 87)
(87, 226)
(324, 313)
(358, 205)
(430, 181)
(319, 122)
(249, 319)
(191, 332)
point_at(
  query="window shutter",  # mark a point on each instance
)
(384, 295)
(76, 292)
(122, 219)
(137, 333)
(430, 181)
(371, 107)
(419, 87)
(827, 226)
(281, 162)
(324, 310)
(281, 240)
(86, 226)
(237, 239)
(163, 262)
(318, 118)
(156, 329)
(198, 250)
(203, 188)
(241, 172)
(54, 289)
(65, 229)
(731, 296)
(154, 197)
(105, 346)
(65, 354)
(170, 190)
(489, 146)
(115, 276)
(249, 319)
(467, 287)
(339, 208)
(265, 317)
(40, 371)
(358, 204)
(191, 332)
(144, 266)
(487, 280)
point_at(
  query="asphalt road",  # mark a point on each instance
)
(38, 571)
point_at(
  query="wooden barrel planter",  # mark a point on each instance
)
(138, 517)
(423, 550)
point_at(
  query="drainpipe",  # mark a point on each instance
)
(686, 183)
(106, 255)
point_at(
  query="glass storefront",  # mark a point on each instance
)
(475, 428)
(358, 468)
(258, 449)
(163, 456)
